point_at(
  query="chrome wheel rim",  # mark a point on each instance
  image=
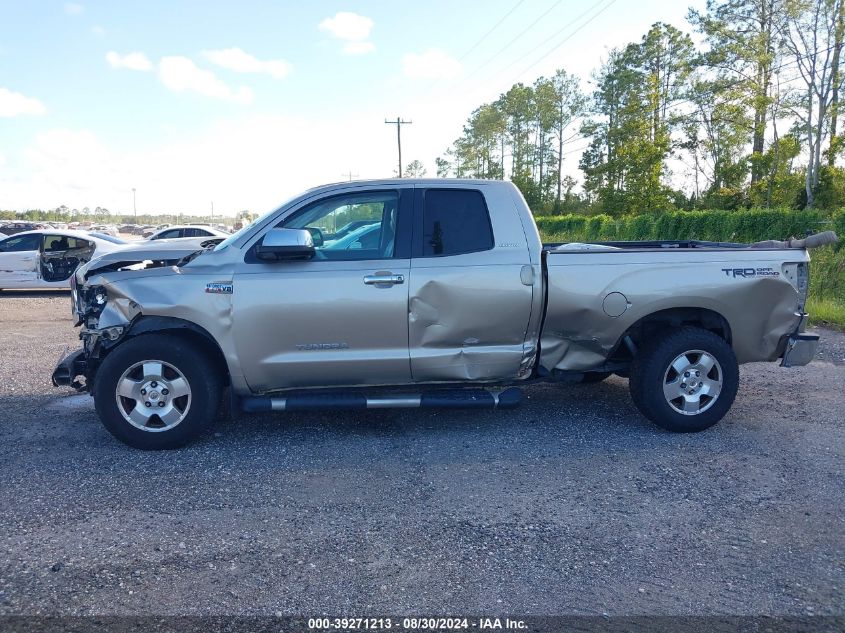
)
(153, 396)
(692, 382)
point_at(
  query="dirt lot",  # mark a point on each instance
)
(571, 504)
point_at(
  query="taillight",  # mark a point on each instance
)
(798, 274)
(803, 282)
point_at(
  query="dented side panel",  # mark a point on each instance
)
(468, 323)
(583, 326)
(474, 316)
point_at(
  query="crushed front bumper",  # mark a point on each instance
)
(800, 350)
(69, 368)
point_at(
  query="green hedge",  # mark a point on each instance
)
(720, 226)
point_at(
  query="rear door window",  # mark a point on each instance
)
(54, 243)
(455, 221)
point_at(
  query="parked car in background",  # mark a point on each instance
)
(47, 258)
(188, 230)
(17, 226)
(108, 229)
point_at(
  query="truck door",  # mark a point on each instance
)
(470, 294)
(19, 260)
(340, 318)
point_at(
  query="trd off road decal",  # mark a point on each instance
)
(219, 287)
(746, 273)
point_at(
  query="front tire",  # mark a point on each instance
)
(157, 391)
(686, 381)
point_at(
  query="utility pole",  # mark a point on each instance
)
(134, 208)
(350, 175)
(399, 123)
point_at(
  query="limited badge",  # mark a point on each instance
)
(219, 287)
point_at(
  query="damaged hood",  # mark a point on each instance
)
(151, 253)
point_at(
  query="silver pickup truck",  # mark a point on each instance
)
(423, 293)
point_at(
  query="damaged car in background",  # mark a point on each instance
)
(441, 295)
(47, 258)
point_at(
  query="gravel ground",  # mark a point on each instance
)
(571, 504)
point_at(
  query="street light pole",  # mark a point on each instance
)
(134, 208)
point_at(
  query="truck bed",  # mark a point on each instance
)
(656, 245)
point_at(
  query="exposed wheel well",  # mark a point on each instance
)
(673, 318)
(185, 330)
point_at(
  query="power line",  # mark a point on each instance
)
(506, 46)
(570, 24)
(553, 35)
(495, 26)
(567, 38)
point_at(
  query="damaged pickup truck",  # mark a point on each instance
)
(424, 293)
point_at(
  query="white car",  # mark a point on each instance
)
(173, 232)
(47, 258)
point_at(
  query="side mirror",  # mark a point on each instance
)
(282, 244)
(316, 236)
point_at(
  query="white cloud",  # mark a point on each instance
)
(351, 28)
(242, 62)
(358, 48)
(432, 64)
(14, 104)
(236, 163)
(98, 30)
(132, 61)
(180, 74)
(71, 8)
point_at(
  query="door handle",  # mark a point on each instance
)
(384, 279)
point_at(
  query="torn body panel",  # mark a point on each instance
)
(761, 307)
(132, 294)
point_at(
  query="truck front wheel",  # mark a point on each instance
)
(685, 381)
(156, 392)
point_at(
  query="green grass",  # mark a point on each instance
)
(826, 312)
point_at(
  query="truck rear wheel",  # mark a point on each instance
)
(156, 392)
(686, 381)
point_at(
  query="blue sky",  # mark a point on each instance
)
(245, 103)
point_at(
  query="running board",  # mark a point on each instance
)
(442, 399)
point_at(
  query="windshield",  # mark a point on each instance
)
(234, 236)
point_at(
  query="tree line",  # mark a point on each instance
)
(748, 118)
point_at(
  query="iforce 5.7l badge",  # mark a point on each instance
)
(219, 287)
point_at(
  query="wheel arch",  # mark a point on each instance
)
(653, 323)
(186, 330)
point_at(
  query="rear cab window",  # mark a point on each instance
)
(454, 222)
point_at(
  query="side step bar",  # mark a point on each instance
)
(441, 399)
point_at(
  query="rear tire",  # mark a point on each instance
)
(686, 381)
(157, 391)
